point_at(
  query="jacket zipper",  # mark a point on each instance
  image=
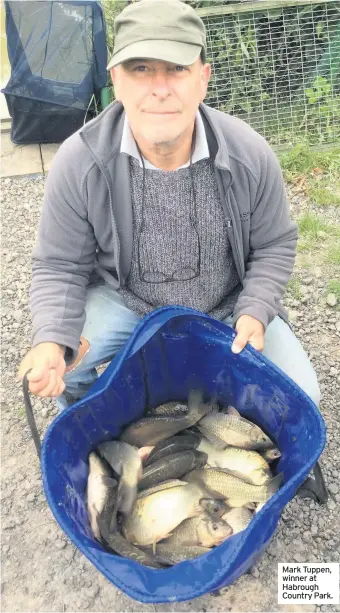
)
(114, 229)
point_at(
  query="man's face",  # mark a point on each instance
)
(160, 99)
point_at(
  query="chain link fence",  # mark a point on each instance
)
(275, 64)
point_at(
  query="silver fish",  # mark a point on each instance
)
(154, 517)
(151, 430)
(170, 555)
(247, 464)
(223, 429)
(99, 486)
(169, 408)
(203, 530)
(235, 491)
(238, 518)
(115, 541)
(271, 454)
(172, 445)
(126, 462)
(213, 506)
(172, 467)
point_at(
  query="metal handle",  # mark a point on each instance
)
(314, 488)
(29, 414)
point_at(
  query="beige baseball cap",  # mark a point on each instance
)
(167, 30)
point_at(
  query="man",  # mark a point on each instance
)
(159, 200)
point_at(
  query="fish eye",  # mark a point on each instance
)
(215, 527)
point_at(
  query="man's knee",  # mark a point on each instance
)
(84, 348)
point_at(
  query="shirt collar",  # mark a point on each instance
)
(201, 151)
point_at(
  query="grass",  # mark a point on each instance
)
(294, 287)
(302, 159)
(317, 238)
(323, 196)
(310, 225)
(320, 169)
(334, 288)
(333, 256)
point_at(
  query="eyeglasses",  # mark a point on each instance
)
(188, 270)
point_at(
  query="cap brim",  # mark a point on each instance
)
(164, 50)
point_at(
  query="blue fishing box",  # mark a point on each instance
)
(171, 351)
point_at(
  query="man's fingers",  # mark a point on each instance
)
(38, 375)
(257, 341)
(59, 388)
(52, 384)
(240, 341)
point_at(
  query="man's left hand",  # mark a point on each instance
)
(249, 330)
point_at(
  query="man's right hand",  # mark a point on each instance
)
(48, 368)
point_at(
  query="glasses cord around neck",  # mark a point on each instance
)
(193, 219)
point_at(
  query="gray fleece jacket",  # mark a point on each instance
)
(86, 222)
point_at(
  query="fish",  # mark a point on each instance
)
(238, 518)
(214, 506)
(117, 543)
(247, 464)
(127, 463)
(172, 445)
(99, 485)
(235, 491)
(168, 408)
(155, 516)
(222, 429)
(144, 453)
(229, 410)
(202, 530)
(165, 485)
(172, 467)
(152, 430)
(171, 555)
(271, 454)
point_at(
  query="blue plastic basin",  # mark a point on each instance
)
(171, 351)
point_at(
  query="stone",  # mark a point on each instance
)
(331, 300)
(333, 488)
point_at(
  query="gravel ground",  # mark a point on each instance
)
(41, 569)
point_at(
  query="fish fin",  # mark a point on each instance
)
(232, 411)
(274, 484)
(109, 481)
(250, 505)
(195, 399)
(196, 508)
(214, 440)
(154, 545)
(236, 473)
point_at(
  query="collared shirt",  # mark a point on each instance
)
(201, 151)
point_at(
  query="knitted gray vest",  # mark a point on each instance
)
(169, 242)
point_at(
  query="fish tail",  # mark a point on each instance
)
(121, 546)
(196, 407)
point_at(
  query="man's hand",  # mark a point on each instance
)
(249, 330)
(48, 368)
